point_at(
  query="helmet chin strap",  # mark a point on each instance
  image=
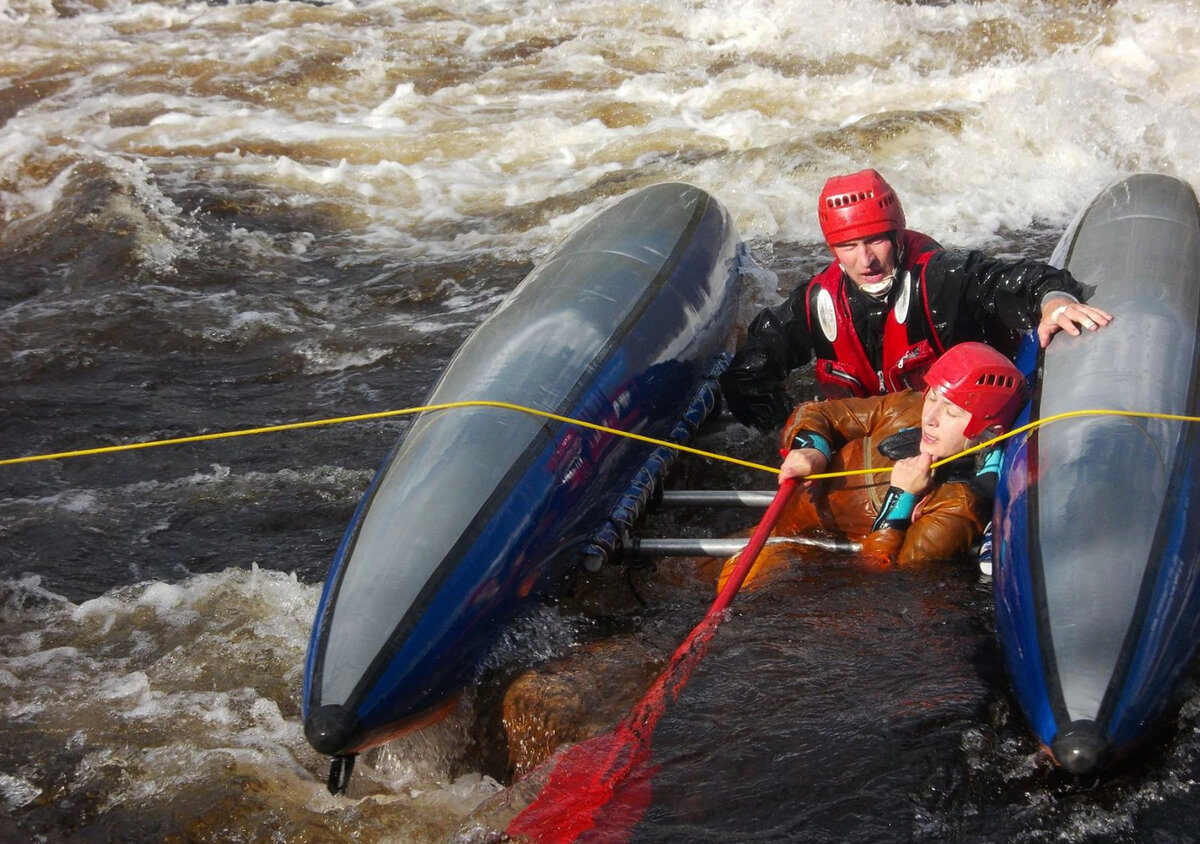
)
(880, 288)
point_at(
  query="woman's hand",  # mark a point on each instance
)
(914, 474)
(802, 462)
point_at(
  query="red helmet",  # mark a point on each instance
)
(858, 205)
(980, 380)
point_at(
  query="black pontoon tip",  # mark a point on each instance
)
(331, 729)
(1082, 749)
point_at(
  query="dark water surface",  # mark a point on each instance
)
(217, 217)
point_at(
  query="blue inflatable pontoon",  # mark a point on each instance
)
(1097, 568)
(480, 510)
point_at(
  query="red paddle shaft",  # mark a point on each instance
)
(757, 540)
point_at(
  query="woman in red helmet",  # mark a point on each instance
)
(912, 513)
(888, 305)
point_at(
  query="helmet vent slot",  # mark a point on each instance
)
(851, 198)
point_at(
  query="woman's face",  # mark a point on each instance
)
(942, 424)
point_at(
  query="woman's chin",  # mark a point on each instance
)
(937, 451)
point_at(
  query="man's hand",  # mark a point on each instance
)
(1063, 314)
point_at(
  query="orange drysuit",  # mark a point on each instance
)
(946, 522)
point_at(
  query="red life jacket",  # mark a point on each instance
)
(910, 342)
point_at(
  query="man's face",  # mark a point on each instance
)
(868, 260)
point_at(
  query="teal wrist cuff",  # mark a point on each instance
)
(902, 506)
(896, 512)
(811, 439)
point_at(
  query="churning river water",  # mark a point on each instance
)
(216, 216)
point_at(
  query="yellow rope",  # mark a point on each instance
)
(383, 414)
(405, 411)
(1037, 423)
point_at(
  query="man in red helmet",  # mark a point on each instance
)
(914, 513)
(890, 302)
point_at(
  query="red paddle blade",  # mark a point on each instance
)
(603, 783)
